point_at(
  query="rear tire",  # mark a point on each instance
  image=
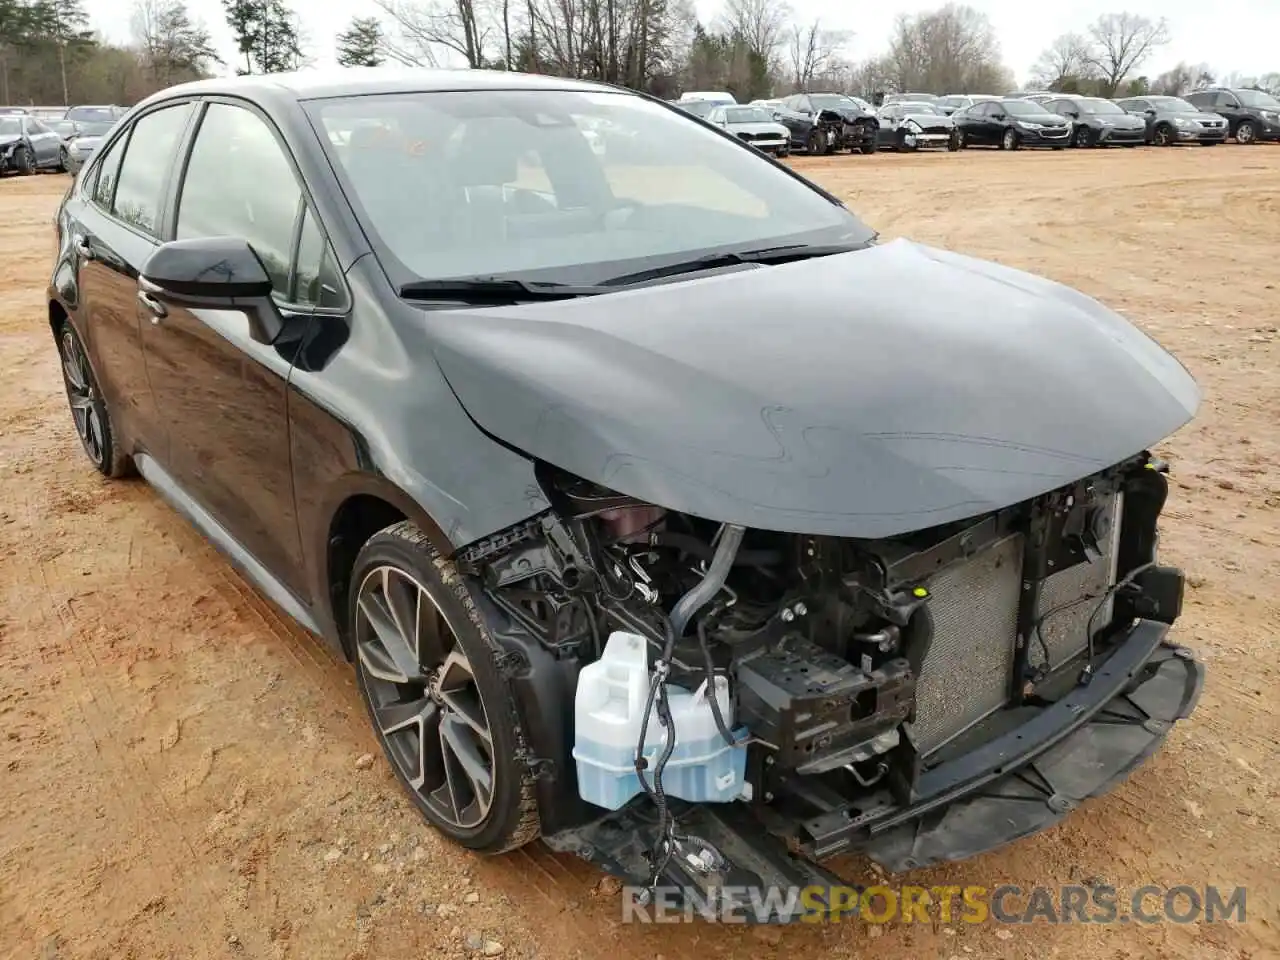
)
(443, 712)
(88, 410)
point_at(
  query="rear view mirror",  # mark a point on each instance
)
(214, 272)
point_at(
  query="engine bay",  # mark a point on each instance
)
(853, 667)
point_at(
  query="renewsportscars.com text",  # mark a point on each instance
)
(1071, 903)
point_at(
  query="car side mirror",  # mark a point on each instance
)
(218, 273)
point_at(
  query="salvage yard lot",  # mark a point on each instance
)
(179, 766)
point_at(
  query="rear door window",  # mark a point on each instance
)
(144, 171)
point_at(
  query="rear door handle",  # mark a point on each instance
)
(157, 309)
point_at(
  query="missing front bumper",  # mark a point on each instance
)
(1010, 787)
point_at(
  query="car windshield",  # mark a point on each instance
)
(1100, 107)
(95, 114)
(831, 101)
(1022, 108)
(465, 184)
(10, 126)
(699, 108)
(1256, 98)
(748, 115)
(1172, 105)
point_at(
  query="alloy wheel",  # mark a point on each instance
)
(1245, 133)
(1010, 140)
(24, 162)
(1162, 137)
(83, 396)
(1082, 136)
(424, 698)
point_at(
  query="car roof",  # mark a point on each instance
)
(355, 81)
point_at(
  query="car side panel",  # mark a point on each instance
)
(107, 319)
(400, 435)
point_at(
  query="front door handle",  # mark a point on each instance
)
(157, 309)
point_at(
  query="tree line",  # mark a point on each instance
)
(752, 48)
(48, 54)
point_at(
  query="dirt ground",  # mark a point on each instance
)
(179, 766)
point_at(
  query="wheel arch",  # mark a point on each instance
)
(358, 512)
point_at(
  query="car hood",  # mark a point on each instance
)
(864, 394)
(9, 138)
(85, 142)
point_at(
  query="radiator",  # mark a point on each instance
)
(966, 672)
(1064, 631)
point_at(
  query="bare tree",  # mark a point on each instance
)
(1183, 79)
(1068, 56)
(815, 53)
(760, 24)
(1120, 43)
(173, 46)
(424, 31)
(950, 50)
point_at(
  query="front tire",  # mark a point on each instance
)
(1010, 141)
(64, 161)
(442, 711)
(24, 162)
(816, 146)
(1163, 136)
(1083, 137)
(1246, 133)
(88, 409)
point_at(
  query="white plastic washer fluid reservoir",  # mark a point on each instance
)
(608, 714)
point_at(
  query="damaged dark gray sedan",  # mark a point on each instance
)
(654, 519)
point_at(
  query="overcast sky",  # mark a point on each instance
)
(1229, 35)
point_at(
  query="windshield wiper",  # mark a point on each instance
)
(494, 290)
(771, 255)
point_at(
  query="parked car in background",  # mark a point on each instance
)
(47, 113)
(1028, 94)
(958, 101)
(1251, 114)
(908, 97)
(714, 96)
(911, 125)
(9, 111)
(699, 108)
(27, 145)
(1010, 124)
(1170, 120)
(753, 125)
(1098, 123)
(96, 113)
(824, 122)
(82, 138)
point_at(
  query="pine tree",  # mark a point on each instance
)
(360, 45)
(266, 34)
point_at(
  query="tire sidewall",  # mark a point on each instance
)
(114, 462)
(403, 546)
(1009, 140)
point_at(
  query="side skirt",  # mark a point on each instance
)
(227, 545)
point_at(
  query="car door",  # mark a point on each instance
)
(978, 127)
(224, 395)
(113, 228)
(888, 133)
(45, 144)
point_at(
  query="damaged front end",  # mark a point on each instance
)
(847, 130)
(917, 699)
